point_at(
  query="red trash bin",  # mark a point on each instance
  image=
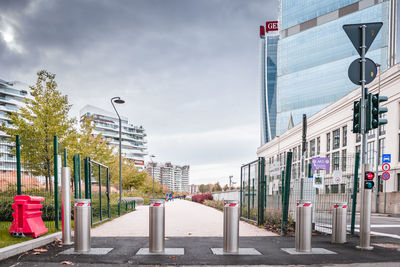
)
(28, 216)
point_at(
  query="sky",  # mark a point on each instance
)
(187, 69)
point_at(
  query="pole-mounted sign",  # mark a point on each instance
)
(361, 72)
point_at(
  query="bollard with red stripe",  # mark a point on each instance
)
(339, 222)
(231, 226)
(157, 226)
(82, 225)
(303, 225)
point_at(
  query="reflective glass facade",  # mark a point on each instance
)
(313, 64)
(297, 11)
(272, 52)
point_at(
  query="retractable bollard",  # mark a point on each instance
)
(231, 226)
(66, 205)
(157, 225)
(83, 217)
(303, 226)
(339, 222)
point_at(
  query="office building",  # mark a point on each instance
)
(268, 79)
(314, 52)
(133, 143)
(174, 177)
(329, 136)
(12, 98)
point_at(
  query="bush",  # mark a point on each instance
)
(273, 222)
(200, 198)
(217, 204)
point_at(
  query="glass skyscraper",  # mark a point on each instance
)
(314, 52)
(269, 49)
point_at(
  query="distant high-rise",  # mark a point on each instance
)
(175, 177)
(314, 52)
(268, 78)
(133, 137)
(12, 98)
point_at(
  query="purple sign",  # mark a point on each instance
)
(320, 164)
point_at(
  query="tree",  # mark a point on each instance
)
(45, 116)
(226, 187)
(203, 188)
(217, 187)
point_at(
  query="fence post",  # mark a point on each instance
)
(18, 154)
(355, 189)
(55, 147)
(134, 205)
(249, 194)
(75, 160)
(241, 190)
(79, 176)
(285, 208)
(101, 214)
(86, 166)
(261, 185)
(309, 170)
(108, 194)
(65, 157)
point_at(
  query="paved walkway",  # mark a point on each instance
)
(182, 218)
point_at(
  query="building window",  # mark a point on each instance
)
(344, 159)
(336, 139)
(335, 161)
(312, 148)
(358, 138)
(329, 158)
(334, 188)
(299, 154)
(381, 149)
(327, 189)
(370, 153)
(318, 146)
(344, 142)
(398, 182)
(342, 188)
(328, 142)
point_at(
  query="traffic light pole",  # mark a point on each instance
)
(365, 216)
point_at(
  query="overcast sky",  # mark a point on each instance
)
(188, 69)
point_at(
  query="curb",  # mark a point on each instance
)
(13, 250)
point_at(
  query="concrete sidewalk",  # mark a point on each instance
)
(182, 218)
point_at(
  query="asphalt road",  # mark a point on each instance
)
(381, 224)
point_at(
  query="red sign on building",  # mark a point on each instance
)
(271, 26)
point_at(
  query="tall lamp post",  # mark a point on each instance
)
(118, 100)
(152, 170)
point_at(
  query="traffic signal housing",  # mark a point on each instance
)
(373, 111)
(357, 117)
(369, 180)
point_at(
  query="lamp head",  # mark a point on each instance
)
(118, 100)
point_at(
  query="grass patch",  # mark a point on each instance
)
(6, 239)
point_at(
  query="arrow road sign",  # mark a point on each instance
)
(385, 176)
(353, 31)
(355, 71)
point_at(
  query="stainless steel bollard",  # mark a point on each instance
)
(157, 225)
(231, 226)
(339, 222)
(303, 226)
(66, 205)
(82, 225)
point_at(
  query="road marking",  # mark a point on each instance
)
(381, 225)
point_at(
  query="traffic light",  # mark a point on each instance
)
(369, 180)
(357, 117)
(373, 111)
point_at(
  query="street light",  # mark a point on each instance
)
(152, 170)
(118, 100)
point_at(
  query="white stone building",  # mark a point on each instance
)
(329, 134)
(175, 177)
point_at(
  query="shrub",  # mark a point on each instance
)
(200, 198)
(217, 204)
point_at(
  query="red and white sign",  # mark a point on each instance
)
(304, 204)
(385, 176)
(386, 167)
(139, 162)
(82, 204)
(271, 26)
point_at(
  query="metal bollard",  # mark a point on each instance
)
(231, 226)
(82, 225)
(66, 205)
(157, 225)
(339, 222)
(303, 226)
